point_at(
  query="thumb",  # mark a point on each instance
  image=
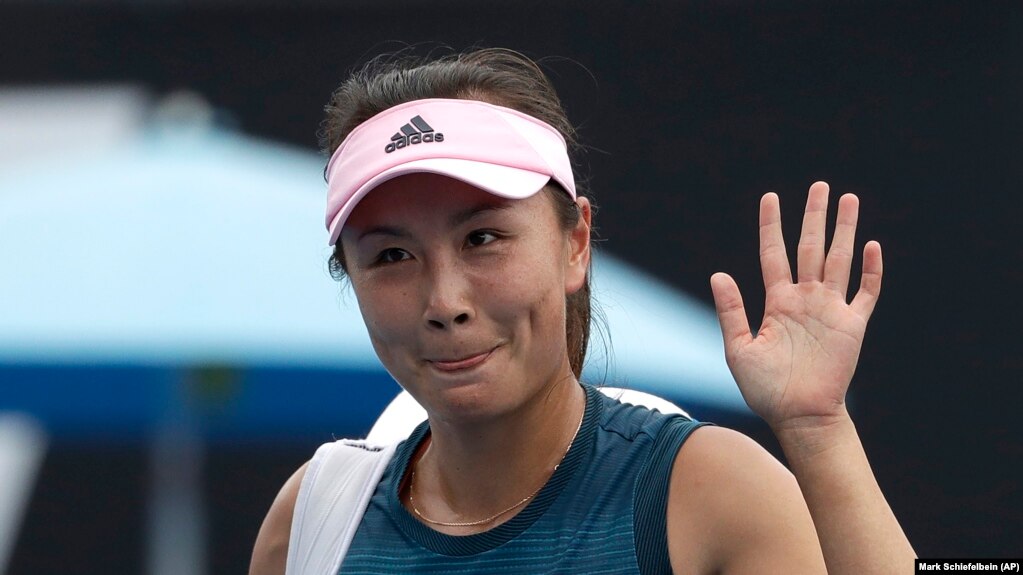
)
(731, 312)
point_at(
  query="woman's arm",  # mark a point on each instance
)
(795, 373)
(270, 554)
(858, 531)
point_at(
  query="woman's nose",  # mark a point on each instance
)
(448, 302)
(441, 323)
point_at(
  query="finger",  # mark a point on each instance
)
(810, 254)
(774, 263)
(731, 312)
(840, 255)
(870, 283)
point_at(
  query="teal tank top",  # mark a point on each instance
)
(602, 511)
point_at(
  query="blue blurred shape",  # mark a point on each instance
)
(186, 264)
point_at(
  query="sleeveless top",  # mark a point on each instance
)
(602, 511)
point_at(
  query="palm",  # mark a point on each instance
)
(801, 361)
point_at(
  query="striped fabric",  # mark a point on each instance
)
(602, 511)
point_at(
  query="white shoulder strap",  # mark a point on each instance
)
(643, 399)
(332, 499)
(404, 414)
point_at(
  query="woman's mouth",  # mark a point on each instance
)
(462, 363)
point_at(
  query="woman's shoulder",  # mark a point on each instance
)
(728, 499)
(270, 554)
(331, 489)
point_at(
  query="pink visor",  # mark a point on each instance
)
(496, 149)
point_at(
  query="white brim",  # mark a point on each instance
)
(503, 181)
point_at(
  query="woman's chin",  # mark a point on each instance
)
(466, 402)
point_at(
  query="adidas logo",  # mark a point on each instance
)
(416, 131)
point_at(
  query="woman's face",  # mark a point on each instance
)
(463, 292)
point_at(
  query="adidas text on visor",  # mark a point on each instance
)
(496, 149)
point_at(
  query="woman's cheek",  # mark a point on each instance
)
(525, 292)
(384, 313)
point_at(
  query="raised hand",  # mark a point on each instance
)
(796, 370)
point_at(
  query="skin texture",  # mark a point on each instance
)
(463, 295)
(733, 508)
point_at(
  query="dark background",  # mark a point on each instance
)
(691, 111)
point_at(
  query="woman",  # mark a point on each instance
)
(455, 216)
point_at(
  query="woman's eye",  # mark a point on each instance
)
(478, 238)
(392, 255)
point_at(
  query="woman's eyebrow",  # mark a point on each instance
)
(384, 231)
(456, 219)
(465, 215)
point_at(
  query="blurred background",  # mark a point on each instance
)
(172, 347)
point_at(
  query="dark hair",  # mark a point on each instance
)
(497, 76)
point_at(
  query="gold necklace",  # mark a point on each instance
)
(412, 483)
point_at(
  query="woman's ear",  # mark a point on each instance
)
(578, 264)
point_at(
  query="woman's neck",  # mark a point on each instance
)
(464, 475)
